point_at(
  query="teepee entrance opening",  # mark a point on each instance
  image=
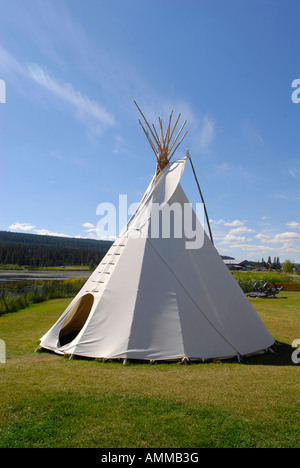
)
(76, 319)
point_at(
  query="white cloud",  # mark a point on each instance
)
(236, 222)
(46, 232)
(233, 237)
(85, 107)
(229, 238)
(293, 224)
(240, 230)
(80, 162)
(222, 169)
(120, 145)
(9, 63)
(266, 221)
(285, 236)
(225, 169)
(220, 221)
(290, 197)
(279, 238)
(207, 133)
(91, 231)
(253, 248)
(21, 226)
(265, 250)
(89, 227)
(294, 172)
(281, 196)
(283, 244)
(56, 155)
(251, 133)
(89, 112)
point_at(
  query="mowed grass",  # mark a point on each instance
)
(49, 401)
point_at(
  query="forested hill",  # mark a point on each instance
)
(44, 251)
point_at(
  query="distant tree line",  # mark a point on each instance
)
(274, 265)
(46, 251)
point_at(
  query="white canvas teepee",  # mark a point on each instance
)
(151, 297)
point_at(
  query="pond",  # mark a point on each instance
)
(16, 275)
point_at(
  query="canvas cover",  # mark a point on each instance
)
(153, 298)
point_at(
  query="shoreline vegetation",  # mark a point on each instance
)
(18, 294)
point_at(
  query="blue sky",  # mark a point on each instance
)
(69, 132)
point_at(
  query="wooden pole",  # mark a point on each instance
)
(177, 146)
(156, 136)
(161, 144)
(150, 141)
(207, 220)
(146, 121)
(175, 139)
(170, 136)
(168, 130)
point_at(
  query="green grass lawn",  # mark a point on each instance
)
(49, 401)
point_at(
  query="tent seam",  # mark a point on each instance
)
(176, 277)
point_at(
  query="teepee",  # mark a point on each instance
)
(151, 297)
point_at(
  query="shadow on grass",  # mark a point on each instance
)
(282, 356)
